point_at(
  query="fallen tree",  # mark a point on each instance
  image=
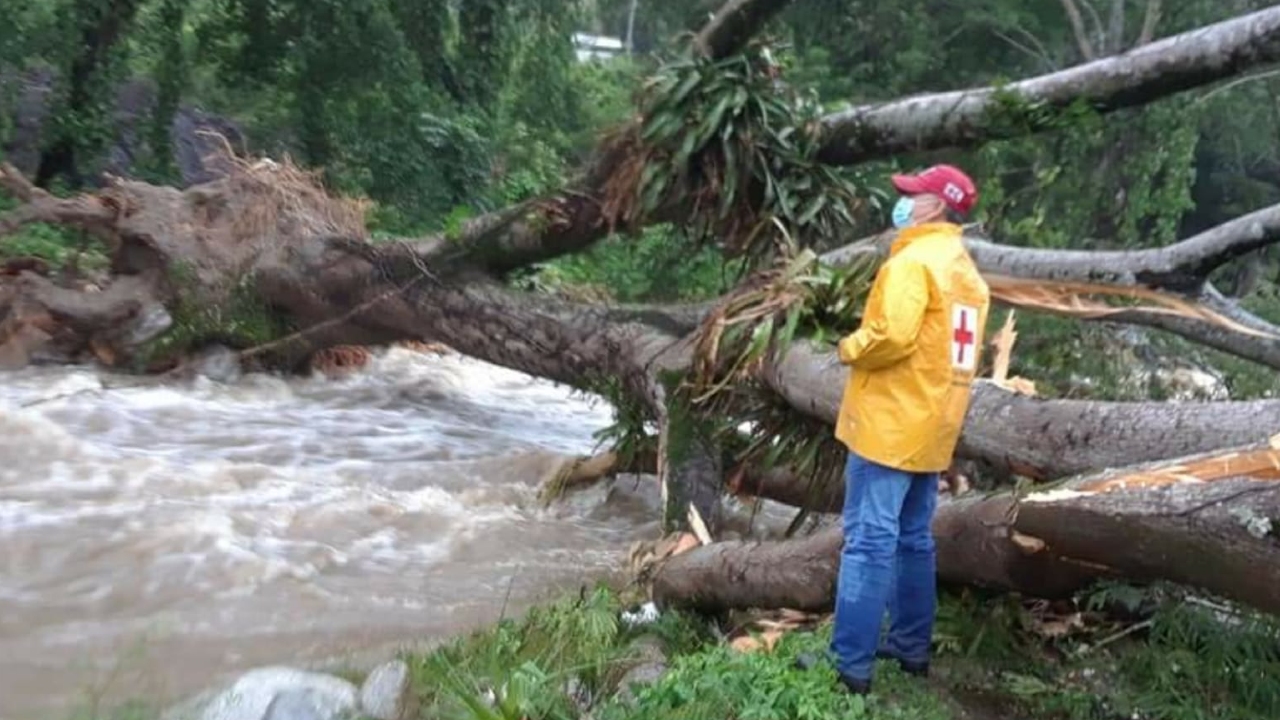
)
(572, 221)
(319, 278)
(267, 263)
(1207, 521)
(1063, 281)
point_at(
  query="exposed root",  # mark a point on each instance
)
(93, 213)
(12, 267)
(268, 199)
(24, 331)
(340, 360)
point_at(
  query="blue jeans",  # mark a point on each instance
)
(888, 563)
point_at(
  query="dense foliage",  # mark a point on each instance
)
(441, 110)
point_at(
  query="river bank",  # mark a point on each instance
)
(589, 655)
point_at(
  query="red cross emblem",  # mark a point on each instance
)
(964, 327)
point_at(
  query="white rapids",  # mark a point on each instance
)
(212, 527)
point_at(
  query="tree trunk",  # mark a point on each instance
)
(735, 23)
(968, 117)
(689, 465)
(572, 221)
(1174, 276)
(1145, 524)
(301, 254)
(1049, 439)
(100, 26)
(242, 260)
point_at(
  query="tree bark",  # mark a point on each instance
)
(304, 260)
(1047, 439)
(1216, 534)
(1182, 267)
(968, 117)
(304, 257)
(735, 23)
(689, 464)
(100, 30)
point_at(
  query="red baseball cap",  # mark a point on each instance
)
(946, 181)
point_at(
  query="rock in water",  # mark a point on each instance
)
(385, 694)
(218, 363)
(275, 693)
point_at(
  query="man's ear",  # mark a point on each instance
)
(929, 208)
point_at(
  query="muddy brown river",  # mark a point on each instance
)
(158, 536)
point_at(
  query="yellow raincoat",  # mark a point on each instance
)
(913, 360)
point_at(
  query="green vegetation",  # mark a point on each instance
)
(1179, 663)
(239, 319)
(1117, 652)
(59, 247)
(440, 112)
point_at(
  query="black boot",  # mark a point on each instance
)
(920, 670)
(808, 661)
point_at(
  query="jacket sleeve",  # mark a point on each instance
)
(891, 320)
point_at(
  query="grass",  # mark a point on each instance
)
(1120, 653)
(569, 659)
(1171, 657)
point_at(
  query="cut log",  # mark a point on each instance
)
(1208, 521)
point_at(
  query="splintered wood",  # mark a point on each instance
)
(1261, 465)
(764, 633)
(1072, 299)
(646, 555)
(1003, 342)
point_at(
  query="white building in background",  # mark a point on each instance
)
(593, 47)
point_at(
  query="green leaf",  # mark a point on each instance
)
(810, 212)
(760, 339)
(685, 88)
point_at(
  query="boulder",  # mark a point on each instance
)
(274, 693)
(385, 693)
(650, 665)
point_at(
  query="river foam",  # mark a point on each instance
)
(223, 525)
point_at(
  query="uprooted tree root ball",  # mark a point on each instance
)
(184, 265)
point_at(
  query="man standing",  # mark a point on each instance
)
(912, 363)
